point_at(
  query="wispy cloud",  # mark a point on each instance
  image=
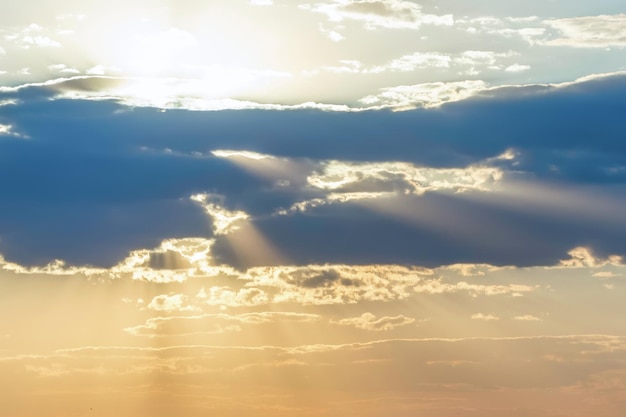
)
(391, 14)
(368, 321)
(603, 31)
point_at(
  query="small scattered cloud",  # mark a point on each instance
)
(484, 317)
(32, 36)
(8, 130)
(64, 69)
(606, 274)
(517, 68)
(170, 303)
(527, 317)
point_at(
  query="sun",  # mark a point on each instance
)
(162, 60)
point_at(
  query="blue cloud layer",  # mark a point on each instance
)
(97, 179)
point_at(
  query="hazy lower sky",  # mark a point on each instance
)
(312, 208)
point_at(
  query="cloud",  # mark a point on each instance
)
(425, 95)
(527, 317)
(517, 68)
(214, 323)
(7, 130)
(485, 317)
(391, 14)
(417, 60)
(507, 28)
(109, 196)
(470, 62)
(583, 257)
(64, 69)
(603, 31)
(225, 296)
(341, 176)
(32, 35)
(368, 321)
(169, 303)
(224, 221)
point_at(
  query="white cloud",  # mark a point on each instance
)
(401, 177)
(225, 153)
(6, 130)
(471, 62)
(527, 317)
(508, 28)
(335, 36)
(223, 296)
(96, 70)
(170, 303)
(517, 68)
(417, 60)
(368, 321)
(346, 66)
(224, 221)
(438, 286)
(472, 270)
(426, 95)
(484, 317)
(583, 257)
(32, 36)
(62, 68)
(214, 323)
(590, 31)
(352, 181)
(606, 274)
(395, 14)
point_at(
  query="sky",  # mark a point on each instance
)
(312, 208)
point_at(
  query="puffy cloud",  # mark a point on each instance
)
(225, 296)
(517, 68)
(170, 303)
(425, 95)
(368, 321)
(405, 178)
(224, 221)
(582, 257)
(589, 31)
